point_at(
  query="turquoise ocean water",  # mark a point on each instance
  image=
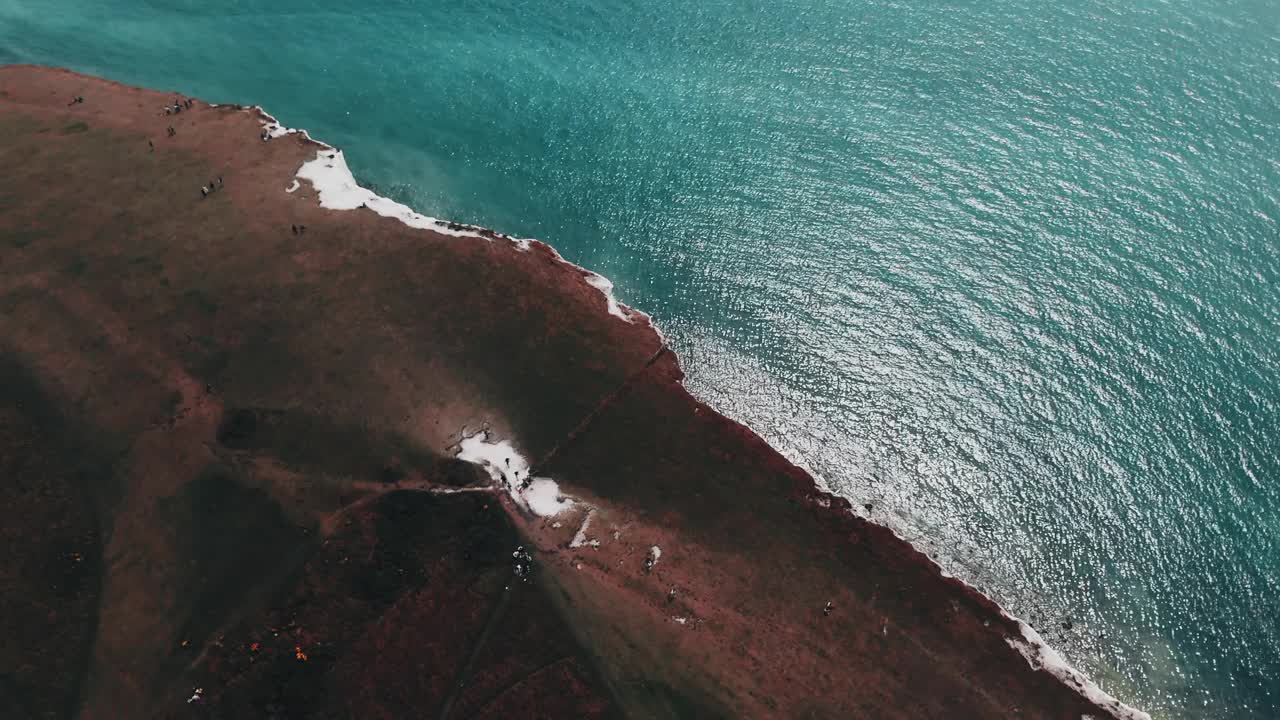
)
(1008, 271)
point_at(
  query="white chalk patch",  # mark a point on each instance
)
(1042, 657)
(332, 179)
(499, 459)
(338, 190)
(603, 284)
(544, 498)
(510, 470)
(275, 129)
(453, 490)
(580, 537)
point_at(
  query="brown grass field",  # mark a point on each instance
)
(224, 445)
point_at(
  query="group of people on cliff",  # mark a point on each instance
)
(211, 187)
(178, 105)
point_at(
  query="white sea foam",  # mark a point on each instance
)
(1042, 657)
(509, 469)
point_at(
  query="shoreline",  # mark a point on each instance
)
(1038, 652)
(337, 190)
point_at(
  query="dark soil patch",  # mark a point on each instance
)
(50, 572)
(307, 442)
(237, 538)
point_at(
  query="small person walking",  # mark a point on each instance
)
(204, 191)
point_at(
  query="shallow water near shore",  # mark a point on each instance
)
(1004, 272)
